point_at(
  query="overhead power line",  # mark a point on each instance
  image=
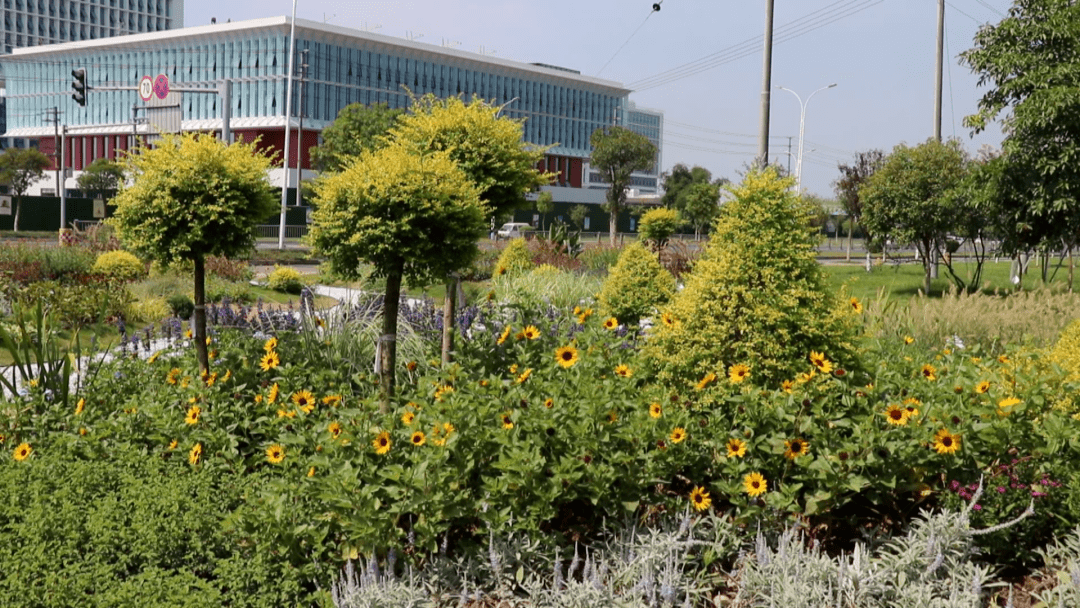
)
(803, 25)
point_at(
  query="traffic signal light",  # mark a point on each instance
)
(79, 84)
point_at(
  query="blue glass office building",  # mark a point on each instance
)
(562, 107)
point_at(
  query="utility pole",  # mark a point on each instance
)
(63, 172)
(288, 127)
(766, 87)
(940, 64)
(300, 130)
(789, 155)
(54, 118)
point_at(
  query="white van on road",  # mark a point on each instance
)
(513, 230)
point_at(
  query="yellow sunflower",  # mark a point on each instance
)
(443, 390)
(819, 361)
(700, 498)
(624, 371)
(667, 319)
(79, 406)
(195, 454)
(418, 438)
(269, 361)
(193, 414)
(270, 344)
(909, 340)
(793, 448)
(678, 434)
(382, 443)
(275, 454)
(549, 403)
(655, 411)
(612, 323)
(334, 429)
(945, 442)
(982, 387)
(855, 305)
(531, 332)
(736, 448)
(1005, 405)
(566, 356)
(22, 451)
(153, 357)
(173, 375)
(311, 472)
(1003, 359)
(524, 375)
(274, 391)
(407, 418)
(738, 372)
(706, 380)
(929, 372)
(304, 400)
(754, 484)
(787, 386)
(332, 400)
(505, 334)
(909, 405)
(507, 421)
(173, 444)
(896, 415)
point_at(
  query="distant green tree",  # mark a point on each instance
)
(20, 167)
(357, 128)
(657, 226)
(909, 198)
(578, 213)
(678, 179)
(1030, 61)
(618, 153)
(194, 196)
(545, 204)
(699, 205)
(852, 177)
(101, 177)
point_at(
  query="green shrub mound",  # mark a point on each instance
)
(515, 259)
(128, 529)
(286, 280)
(657, 226)
(757, 297)
(120, 265)
(636, 286)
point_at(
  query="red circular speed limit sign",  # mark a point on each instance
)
(161, 86)
(146, 88)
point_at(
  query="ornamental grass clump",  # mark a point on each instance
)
(636, 286)
(757, 296)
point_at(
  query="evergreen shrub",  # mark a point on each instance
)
(636, 286)
(757, 297)
(515, 259)
(286, 280)
(120, 265)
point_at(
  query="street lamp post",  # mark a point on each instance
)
(802, 130)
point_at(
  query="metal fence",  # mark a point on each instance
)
(271, 231)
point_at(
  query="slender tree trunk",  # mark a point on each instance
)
(613, 223)
(388, 339)
(1071, 266)
(18, 208)
(449, 314)
(850, 227)
(928, 266)
(200, 316)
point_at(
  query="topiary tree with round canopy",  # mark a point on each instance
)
(757, 296)
(194, 196)
(414, 217)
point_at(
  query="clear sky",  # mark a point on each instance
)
(881, 54)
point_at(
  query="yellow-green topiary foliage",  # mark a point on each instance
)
(757, 297)
(657, 226)
(515, 259)
(286, 280)
(120, 265)
(1066, 351)
(636, 286)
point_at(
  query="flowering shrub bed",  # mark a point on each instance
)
(549, 424)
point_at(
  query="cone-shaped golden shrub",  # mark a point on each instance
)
(636, 286)
(757, 296)
(515, 259)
